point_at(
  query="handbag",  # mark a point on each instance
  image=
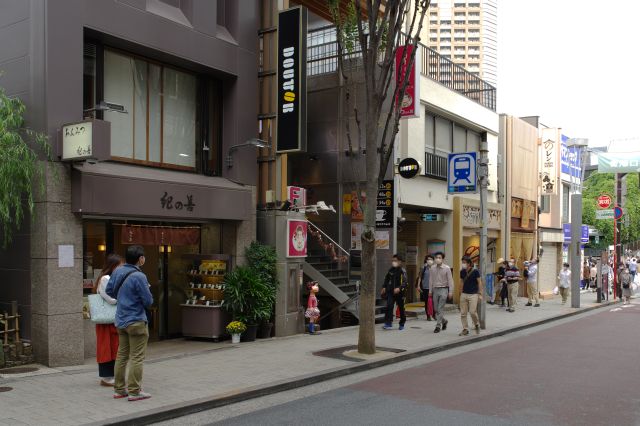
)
(102, 312)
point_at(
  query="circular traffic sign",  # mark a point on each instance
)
(604, 201)
(618, 212)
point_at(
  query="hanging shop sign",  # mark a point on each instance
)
(85, 140)
(624, 162)
(297, 195)
(549, 167)
(296, 238)
(570, 161)
(292, 80)
(409, 168)
(410, 103)
(384, 205)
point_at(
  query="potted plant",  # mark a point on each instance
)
(248, 299)
(263, 260)
(235, 329)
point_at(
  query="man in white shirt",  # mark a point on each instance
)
(531, 274)
(565, 282)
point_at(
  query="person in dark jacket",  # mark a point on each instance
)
(394, 289)
(422, 284)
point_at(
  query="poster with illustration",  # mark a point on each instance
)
(296, 238)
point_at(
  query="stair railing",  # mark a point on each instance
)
(329, 239)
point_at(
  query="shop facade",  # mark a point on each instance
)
(167, 89)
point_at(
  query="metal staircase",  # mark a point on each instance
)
(337, 278)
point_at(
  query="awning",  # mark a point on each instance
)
(115, 189)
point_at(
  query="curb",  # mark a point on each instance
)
(169, 412)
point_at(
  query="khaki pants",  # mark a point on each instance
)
(513, 295)
(469, 304)
(532, 291)
(133, 345)
(564, 292)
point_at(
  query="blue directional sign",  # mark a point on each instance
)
(461, 173)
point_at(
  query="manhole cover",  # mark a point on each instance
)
(5, 389)
(18, 370)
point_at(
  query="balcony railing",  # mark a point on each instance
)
(435, 166)
(322, 58)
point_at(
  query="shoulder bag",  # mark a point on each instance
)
(101, 311)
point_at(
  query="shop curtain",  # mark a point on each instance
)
(158, 236)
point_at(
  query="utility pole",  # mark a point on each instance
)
(483, 177)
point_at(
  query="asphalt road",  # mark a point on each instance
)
(582, 372)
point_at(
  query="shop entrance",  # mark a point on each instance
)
(167, 250)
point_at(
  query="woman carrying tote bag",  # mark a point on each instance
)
(106, 334)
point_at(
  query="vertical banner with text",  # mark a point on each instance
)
(549, 167)
(410, 103)
(292, 80)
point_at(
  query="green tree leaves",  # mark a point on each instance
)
(19, 165)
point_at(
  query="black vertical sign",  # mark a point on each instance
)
(384, 205)
(292, 80)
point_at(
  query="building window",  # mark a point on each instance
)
(565, 203)
(173, 117)
(160, 126)
(545, 204)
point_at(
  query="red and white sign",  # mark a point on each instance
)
(296, 238)
(604, 201)
(410, 103)
(297, 196)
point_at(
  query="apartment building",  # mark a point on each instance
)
(466, 33)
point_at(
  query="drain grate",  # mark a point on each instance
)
(5, 389)
(18, 370)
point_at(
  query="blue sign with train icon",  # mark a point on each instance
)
(461, 173)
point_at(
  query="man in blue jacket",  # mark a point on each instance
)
(129, 285)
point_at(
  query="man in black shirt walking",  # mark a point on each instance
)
(395, 285)
(471, 295)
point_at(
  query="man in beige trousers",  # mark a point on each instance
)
(471, 295)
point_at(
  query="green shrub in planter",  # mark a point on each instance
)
(247, 296)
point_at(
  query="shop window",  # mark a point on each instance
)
(545, 204)
(94, 252)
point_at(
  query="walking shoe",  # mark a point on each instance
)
(529, 304)
(537, 305)
(107, 382)
(118, 395)
(387, 327)
(429, 318)
(464, 332)
(401, 328)
(512, 310)
(444, 325)
(437, 330)
(139, 396)
(477, 328)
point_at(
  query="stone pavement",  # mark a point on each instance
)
(181, 372)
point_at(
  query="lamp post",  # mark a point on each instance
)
(576, 227)
(258, 143)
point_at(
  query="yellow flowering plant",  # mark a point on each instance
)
(236, 327)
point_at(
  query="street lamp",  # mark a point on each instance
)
(575, 253)
(258, 143)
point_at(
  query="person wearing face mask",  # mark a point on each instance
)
(440, 289)
(512, 276)
(626, 279)
(129, 285)
(422, 284)
(394, 288)
(565, 282)
(471, 295)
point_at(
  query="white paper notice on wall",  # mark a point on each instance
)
(65, 256)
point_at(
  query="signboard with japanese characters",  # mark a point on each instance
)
(297, 196)
(410, 102)
(384, 205)
(77, 141)
(549, 167)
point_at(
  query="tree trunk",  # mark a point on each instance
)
(367, 333)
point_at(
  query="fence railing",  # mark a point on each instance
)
(435, 166)
(322, 58)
